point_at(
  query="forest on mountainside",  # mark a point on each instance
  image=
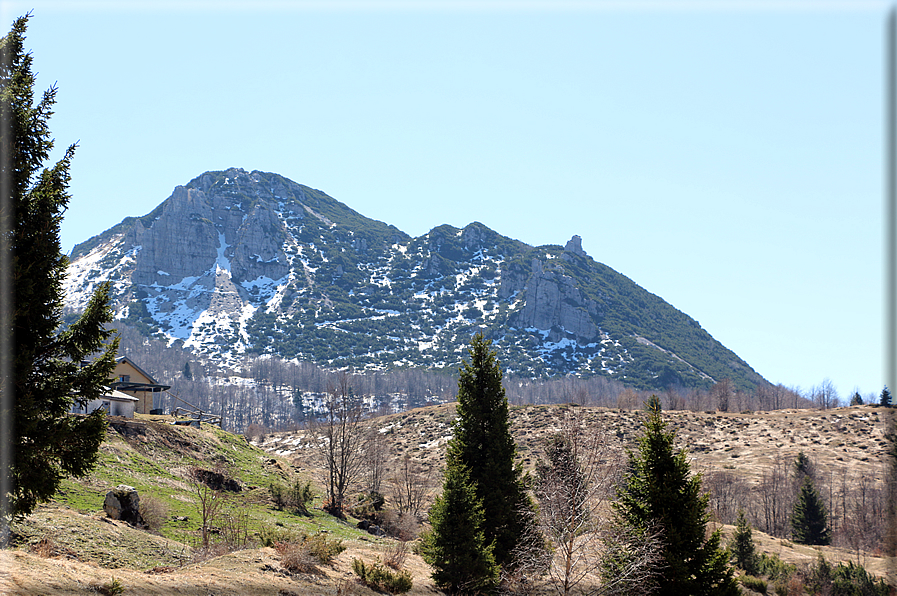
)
(279, 394)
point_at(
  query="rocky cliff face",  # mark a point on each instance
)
(240, 262)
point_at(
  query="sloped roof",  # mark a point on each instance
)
(118, 396)
(121, 359)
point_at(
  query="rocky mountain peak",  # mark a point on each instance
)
(238, 262)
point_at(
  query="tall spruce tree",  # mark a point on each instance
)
(482, 443)
(809, 519)
(742, 547)
(456, 547)
(884, 399)
(659, 491)
(46, 371)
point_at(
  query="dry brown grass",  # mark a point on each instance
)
(254, 572)
(839, 440)
(744, 444)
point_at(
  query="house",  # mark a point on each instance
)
(114, 402)
(132, 380)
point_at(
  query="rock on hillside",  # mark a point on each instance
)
(238, 263)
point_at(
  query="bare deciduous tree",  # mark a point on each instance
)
(776, 497)
(574, 486)
(341, 436)
(208, 496)
(824, 395)
(722, 393)
(727, 491)
(409, 487)
(376, 451)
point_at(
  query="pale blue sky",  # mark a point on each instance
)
(726, 156)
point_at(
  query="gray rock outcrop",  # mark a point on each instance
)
(574, 245)
(554, 303)
(123, 502)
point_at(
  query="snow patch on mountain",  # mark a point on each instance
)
(105, 262)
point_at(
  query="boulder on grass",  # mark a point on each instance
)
(123, 502)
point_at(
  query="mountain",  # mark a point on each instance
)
(240, 263)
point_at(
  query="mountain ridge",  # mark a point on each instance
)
(236, 263)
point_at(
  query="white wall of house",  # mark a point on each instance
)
(115, 404)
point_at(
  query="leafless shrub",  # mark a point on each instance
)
(376, 451)
(776, 499)
(295, 557)
(394, 554)
(401, 526)
(255, 431)
(214, 549)
(48, 548)
(303, 555)
(727, 491)
(154, 512)
(234, 527)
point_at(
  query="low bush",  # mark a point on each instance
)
(295, 558)
(271, 535)
(154, 512)
(47, 548)
(379, 578)
(324, 549)
(111, 588)
(773, 567)
(300, 495)
(278, 495)
(394, 555)
(753, 583)
(302, 552)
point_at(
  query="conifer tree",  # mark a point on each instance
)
(483, 444)
(809, 519)
(885, 398)
(456, 547)
(742, 547)
(660, 491)
(803, 468)
(45, 371)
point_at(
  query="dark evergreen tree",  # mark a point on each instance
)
(803, 468)
(742, 547)
(47, 365)
(456, 547)
(809, 519)
(885, 398)
(659, 491)
(856, 399)
(652, 405)
(483, 444)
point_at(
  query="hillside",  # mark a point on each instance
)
(843, 441)
(238, 263)
(70, 546)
